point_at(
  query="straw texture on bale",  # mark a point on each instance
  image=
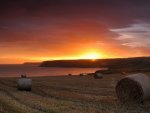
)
(133, 88)
(25, 84)
(98, 76)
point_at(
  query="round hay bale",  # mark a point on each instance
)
(69, 74)
(98, 76)
(123, 73)
(83, 74)
(23, 76)
(133, 88)
(25, 84)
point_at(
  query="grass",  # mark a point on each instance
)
(66, 94)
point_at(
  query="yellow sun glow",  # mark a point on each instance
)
(88, 55)
(91, 55)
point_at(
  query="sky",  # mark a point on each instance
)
(38, 30)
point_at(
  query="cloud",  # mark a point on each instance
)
(136, 35)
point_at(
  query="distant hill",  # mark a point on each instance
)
(118, 63)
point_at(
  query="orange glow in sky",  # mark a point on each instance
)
(88, 55)
(73, 29)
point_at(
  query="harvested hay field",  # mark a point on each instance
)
(65, 94)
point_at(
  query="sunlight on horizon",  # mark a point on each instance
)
(89, 55)
(92, 56)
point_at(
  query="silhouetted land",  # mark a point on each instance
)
(118, 64)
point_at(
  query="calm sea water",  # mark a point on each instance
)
(29, 70)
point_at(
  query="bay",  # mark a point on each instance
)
(34, 70)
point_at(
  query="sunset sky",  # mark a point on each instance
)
(37, 30)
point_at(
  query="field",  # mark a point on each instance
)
(66, 94)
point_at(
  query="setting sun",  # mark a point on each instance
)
(92, 55)
(88, 55)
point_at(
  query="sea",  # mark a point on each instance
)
(35, 70)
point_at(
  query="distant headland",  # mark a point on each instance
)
(116, 63)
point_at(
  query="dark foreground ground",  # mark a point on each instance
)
(66, 94)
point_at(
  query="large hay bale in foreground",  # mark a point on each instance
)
(133, 88)
(25, 84)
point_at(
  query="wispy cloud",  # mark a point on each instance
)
(135, 35)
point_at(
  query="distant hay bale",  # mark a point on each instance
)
(25, 84)
(133, 88)
(123, 73)
(98, 76)
(23, 76)
(83, 74)
(69, 74)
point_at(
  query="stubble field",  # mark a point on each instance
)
(66, 94)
